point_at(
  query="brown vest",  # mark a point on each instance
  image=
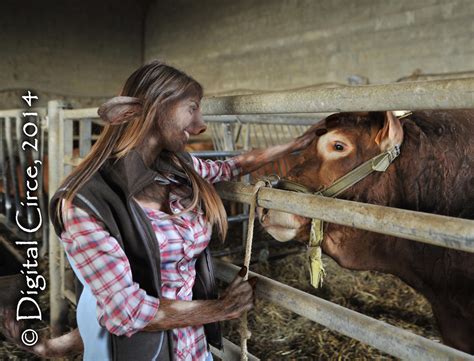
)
(108, 196)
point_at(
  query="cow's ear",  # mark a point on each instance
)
(120, 109)
(391, 133)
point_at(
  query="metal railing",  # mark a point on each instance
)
(450, 232)
(390, 339)
(435, 94)
(18, 152)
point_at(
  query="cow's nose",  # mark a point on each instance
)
(262, 214)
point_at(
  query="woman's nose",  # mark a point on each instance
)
(198, 127)
(195, 130)
(202, 128)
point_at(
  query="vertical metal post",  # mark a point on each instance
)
(67, 144)
(228, 132)
(42, 123)
(85, 137)
(58, 305)
(4, 169)
(12, 164)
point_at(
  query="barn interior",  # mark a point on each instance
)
(80, 53)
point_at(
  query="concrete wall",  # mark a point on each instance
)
(82, 51)
(76, 50)
(271, 44)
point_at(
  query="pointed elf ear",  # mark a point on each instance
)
(391, 133)
(120, 109)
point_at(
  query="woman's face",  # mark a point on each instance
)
(185, 119)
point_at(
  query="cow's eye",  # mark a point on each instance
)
(338, 147)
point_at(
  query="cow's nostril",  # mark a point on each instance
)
(263, 214)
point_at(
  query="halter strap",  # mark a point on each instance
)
(379, 163)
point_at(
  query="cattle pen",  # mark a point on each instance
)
(59, 124)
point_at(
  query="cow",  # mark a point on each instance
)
(434, 173)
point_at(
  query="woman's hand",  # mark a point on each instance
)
(304, 140)
(238, 296)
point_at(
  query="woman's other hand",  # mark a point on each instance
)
(238, 296)
(236, 299)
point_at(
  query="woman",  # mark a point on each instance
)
(135, 218)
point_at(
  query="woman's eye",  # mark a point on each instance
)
(338, 147)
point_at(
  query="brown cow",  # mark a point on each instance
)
(434, 173)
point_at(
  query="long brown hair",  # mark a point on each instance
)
(158, 87)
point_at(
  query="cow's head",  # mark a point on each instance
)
(344, 141)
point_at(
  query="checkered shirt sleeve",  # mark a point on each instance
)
(122, 306)
(217, 170)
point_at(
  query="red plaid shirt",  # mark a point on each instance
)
(122, 306)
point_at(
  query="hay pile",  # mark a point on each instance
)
(278, 334)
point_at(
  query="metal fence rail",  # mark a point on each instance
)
(450, 232)
(390, 339)
(434, 94)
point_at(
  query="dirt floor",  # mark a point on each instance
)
(278, 334)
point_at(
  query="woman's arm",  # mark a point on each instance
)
(124, 307)
(216, 170)
(237, 298)
(255, 159)
(222, 170)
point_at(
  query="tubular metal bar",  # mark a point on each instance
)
(385, 337)
(216, 153)
(71, 160)
(238, 218)
(435, 94)
(287, 119)
(70, 295)
(56, 154)
(15, 112)
(78, 114)
(450, 232)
